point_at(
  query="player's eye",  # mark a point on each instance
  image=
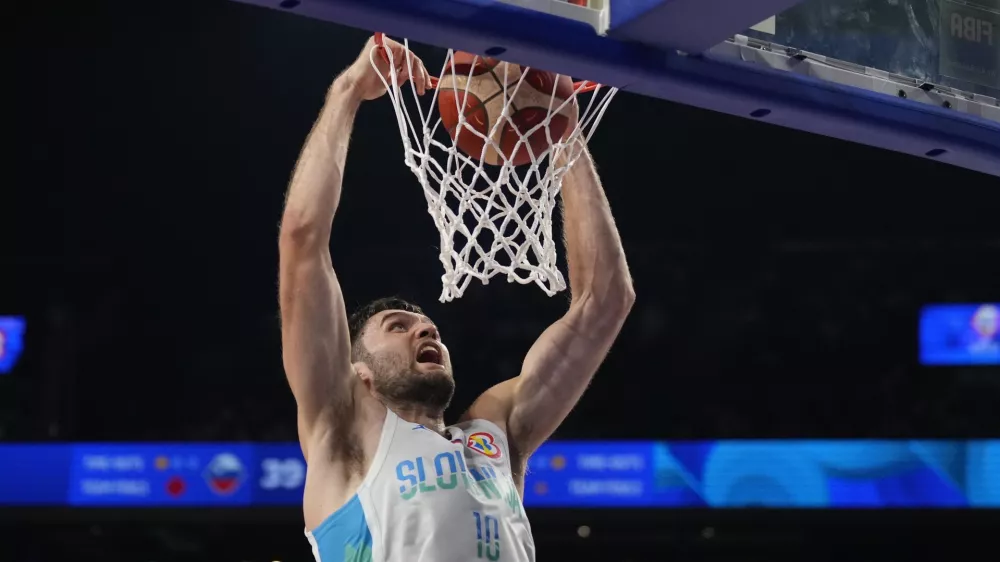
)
(397, 327)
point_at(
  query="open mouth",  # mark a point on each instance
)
(429, 354)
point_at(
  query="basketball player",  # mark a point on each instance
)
(387, 481)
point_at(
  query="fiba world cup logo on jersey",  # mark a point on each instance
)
(484, 444)
(224, 474)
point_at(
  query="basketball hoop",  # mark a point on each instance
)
(493, 219)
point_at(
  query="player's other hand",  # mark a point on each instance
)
(367, 80)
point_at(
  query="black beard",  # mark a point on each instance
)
(432, 391)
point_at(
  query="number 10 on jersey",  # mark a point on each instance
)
(487, 536)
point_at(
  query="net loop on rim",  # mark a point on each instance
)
(493, 219)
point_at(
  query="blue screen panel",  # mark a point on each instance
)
(592, 474)
(753, 473)
(11, 342)
(160, 475)
(960, 334)
(706, 474)
(280, 475)
(34, 474)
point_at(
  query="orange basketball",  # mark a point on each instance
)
(474, 87)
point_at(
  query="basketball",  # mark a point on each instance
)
(474, 87)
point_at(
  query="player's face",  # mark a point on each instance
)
(986, 321)
(408, 361)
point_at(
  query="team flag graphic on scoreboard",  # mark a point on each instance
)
(224, 474)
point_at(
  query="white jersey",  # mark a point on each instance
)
(427, 498)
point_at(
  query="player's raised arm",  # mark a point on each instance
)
(315, 338)
(560, 365)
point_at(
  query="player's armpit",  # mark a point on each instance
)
(315, 341)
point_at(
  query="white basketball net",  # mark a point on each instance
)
(493, 220)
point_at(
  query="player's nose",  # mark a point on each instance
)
(427, 331)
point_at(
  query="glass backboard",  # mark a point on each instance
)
(915, 76)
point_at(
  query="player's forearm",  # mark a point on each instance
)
(594, 253)
(314, 192)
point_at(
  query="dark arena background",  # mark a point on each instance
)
(795, 381)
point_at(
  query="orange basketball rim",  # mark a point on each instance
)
(579, 87)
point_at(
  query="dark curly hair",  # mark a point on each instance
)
(359, 319)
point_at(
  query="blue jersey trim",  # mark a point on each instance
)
(344, 536)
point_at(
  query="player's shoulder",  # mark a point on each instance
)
(493, 405)
(469, 425)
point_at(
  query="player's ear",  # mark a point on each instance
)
(364, 372)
